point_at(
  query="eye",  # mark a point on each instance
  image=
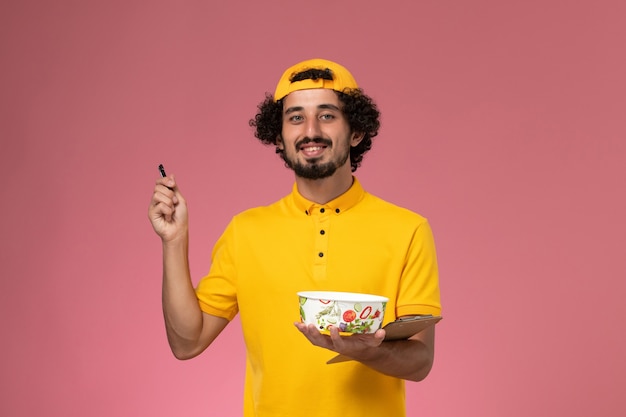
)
(296, 118)
(327, 116)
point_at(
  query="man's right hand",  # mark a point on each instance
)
(168, 211)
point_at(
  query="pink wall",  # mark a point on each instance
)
(503, 124)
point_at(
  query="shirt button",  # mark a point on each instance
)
(322, 210)
(321, 254)
(337, 210)
(322, 232)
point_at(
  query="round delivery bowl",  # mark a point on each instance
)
(350, 312)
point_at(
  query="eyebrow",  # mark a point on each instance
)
(321, 107)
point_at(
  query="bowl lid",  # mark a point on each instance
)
(342, 296)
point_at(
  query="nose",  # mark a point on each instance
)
(313, 127)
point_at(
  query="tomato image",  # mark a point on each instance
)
(349, 315)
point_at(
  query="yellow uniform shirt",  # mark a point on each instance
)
(356, 243)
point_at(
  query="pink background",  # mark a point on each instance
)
(503, 123)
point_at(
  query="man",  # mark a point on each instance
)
(328, 234)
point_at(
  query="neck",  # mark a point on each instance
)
(326, 189)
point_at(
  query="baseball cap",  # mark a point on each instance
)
(342, 79)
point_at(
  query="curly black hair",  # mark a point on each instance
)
(360, 111)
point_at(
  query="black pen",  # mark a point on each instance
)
(163, 174)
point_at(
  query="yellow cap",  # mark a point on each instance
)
(342, 79)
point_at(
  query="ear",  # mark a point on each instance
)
(357, 137)
(279, 143)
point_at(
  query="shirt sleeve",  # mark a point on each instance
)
(217, 291)
(419, 285)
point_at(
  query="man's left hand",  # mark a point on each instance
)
(355, 346)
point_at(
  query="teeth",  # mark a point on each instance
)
(313, 148)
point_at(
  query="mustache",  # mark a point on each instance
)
(317, 140)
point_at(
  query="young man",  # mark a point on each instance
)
(329, 235)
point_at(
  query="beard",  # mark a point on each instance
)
(312, 169)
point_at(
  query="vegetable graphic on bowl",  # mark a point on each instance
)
(349, 312)
(349, 315)
(328, 316)
(365, 313)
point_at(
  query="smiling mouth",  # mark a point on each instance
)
(312, 148)
(312, 151)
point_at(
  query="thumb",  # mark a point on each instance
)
(170, 182)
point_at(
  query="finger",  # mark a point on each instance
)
(335, 336)
(304, 329)
(168, 182)
(371, 339)
(375, 339)
(163, 204)
(313, 335)
(164, 211)
(301, 326)
(164, 189)
(163, 196)
(173, 186)
(380, 334)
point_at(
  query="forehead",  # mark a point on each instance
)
(311, 98)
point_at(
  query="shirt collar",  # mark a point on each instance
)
(339, 205)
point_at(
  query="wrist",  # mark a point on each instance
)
(176, 243)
